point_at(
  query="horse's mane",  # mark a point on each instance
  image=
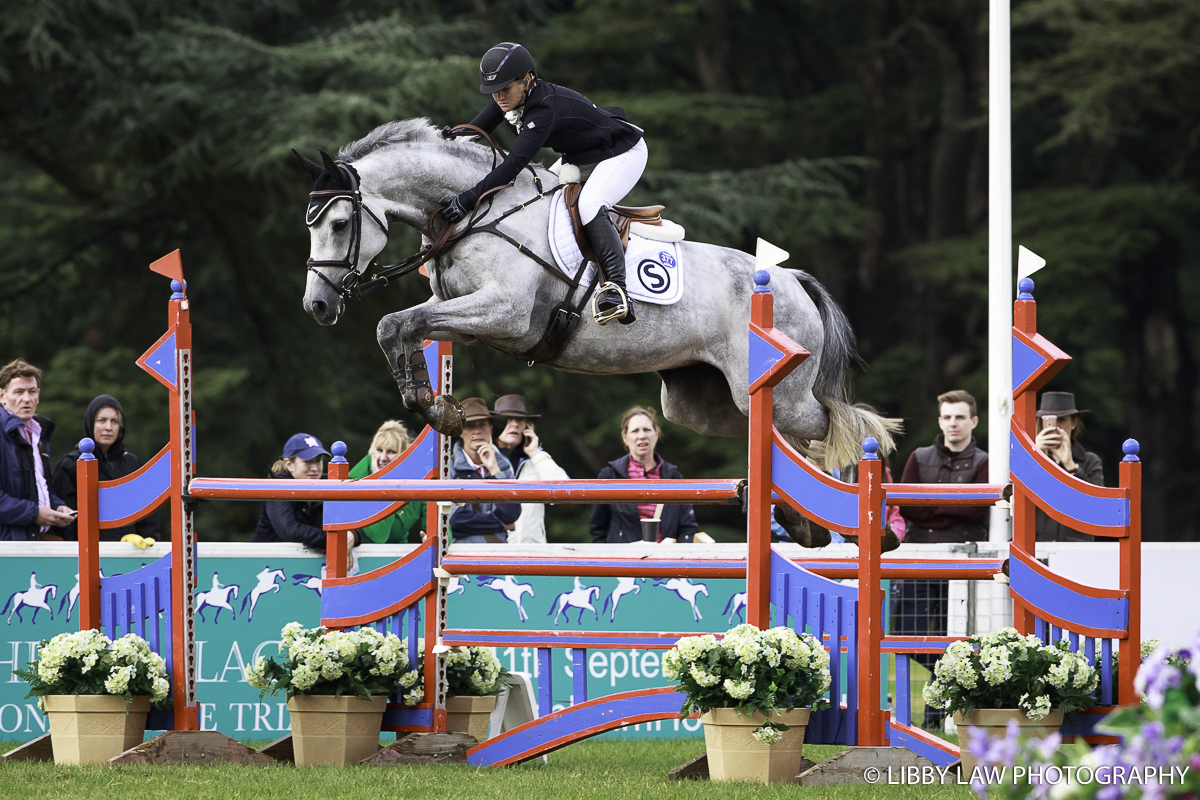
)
(418, 130)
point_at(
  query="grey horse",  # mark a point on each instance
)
(488, 291)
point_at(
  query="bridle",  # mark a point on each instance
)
(349, 262)
(353, 285)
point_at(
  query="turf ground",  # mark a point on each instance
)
(616, 770)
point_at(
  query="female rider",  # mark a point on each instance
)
(609, 152)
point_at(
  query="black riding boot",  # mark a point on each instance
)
(611, 300)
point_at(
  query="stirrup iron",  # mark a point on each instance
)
(617, 312)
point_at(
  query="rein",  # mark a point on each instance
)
(353, 285)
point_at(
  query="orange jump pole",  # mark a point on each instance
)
(871, 516)
(773, 356)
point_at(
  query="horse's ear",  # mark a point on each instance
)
(311, 168)
(330, 165)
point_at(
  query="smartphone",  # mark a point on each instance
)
(526, 438)
(1050, 421)
(73, 513)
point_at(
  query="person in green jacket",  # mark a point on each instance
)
(406, 526)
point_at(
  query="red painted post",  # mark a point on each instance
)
(183, 534)
(87, 483)
(1130, 648)
(870, 597)
(335, 541)
(758, 564)
(1024, 419)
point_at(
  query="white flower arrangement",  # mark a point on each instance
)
(315, 661)
(750, 670)
(474, 672)
(88, 662)
(1004, 669)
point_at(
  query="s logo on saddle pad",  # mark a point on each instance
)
(653, 269)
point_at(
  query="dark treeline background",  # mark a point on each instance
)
(850, 132)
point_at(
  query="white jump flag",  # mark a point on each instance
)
(768, 255)
(1028, 262)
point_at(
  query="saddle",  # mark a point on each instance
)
(621, 216)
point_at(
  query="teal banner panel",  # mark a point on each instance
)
(248, 592)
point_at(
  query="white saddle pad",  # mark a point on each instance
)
(653, 269)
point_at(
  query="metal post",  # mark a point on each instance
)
(1000, 269)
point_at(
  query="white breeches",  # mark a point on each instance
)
(611, 180)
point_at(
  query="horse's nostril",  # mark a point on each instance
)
(319, 307)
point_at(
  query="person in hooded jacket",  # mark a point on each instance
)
(623, 522)
(104, 424)
(299, 521)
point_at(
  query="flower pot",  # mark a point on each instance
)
(335, 730)
(92, 728)
(735, 755)
(470, 715)
(994, 721)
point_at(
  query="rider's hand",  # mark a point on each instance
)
(448, 132)
(454, 209)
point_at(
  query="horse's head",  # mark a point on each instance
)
(343, 240)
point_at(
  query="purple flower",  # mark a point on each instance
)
(1156, 676)
(1004, 750)
(1049, 746)
(978, 743)
(1110, 792)
(1196, 762)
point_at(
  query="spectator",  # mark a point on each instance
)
(954, 457)
(299, 521)
(476, 458)
(1059, 426)
(919, 607)
(520, 443)
(103, 423)
(28, 507)
(406, 526)
(622, 522)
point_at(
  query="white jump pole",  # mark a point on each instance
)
(1000, 269)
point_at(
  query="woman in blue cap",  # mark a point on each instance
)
(598, 146)
(297, 521)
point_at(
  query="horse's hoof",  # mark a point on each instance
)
(446, 416)
(800, 528)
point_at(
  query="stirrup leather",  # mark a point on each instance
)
(619, 311)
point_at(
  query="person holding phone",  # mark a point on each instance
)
(29, 507)
(1059, 426)
(518, 440)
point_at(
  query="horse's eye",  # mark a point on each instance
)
(340, 226)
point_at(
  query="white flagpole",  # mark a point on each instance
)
(1000, 271)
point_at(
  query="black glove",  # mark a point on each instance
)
(448, 132)
(453, 210)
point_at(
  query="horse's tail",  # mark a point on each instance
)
(848, 425)
(552, 605)
(729, 605)
(245, 600)
(607, 603)
(8, 602)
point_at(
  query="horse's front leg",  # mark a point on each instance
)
(491, 312)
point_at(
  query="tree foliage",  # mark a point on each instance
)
(850, 133)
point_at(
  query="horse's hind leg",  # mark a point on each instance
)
(698, 397)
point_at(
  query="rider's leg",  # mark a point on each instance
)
(608, 183)
(612, 302)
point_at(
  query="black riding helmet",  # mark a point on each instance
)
(503, 64)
